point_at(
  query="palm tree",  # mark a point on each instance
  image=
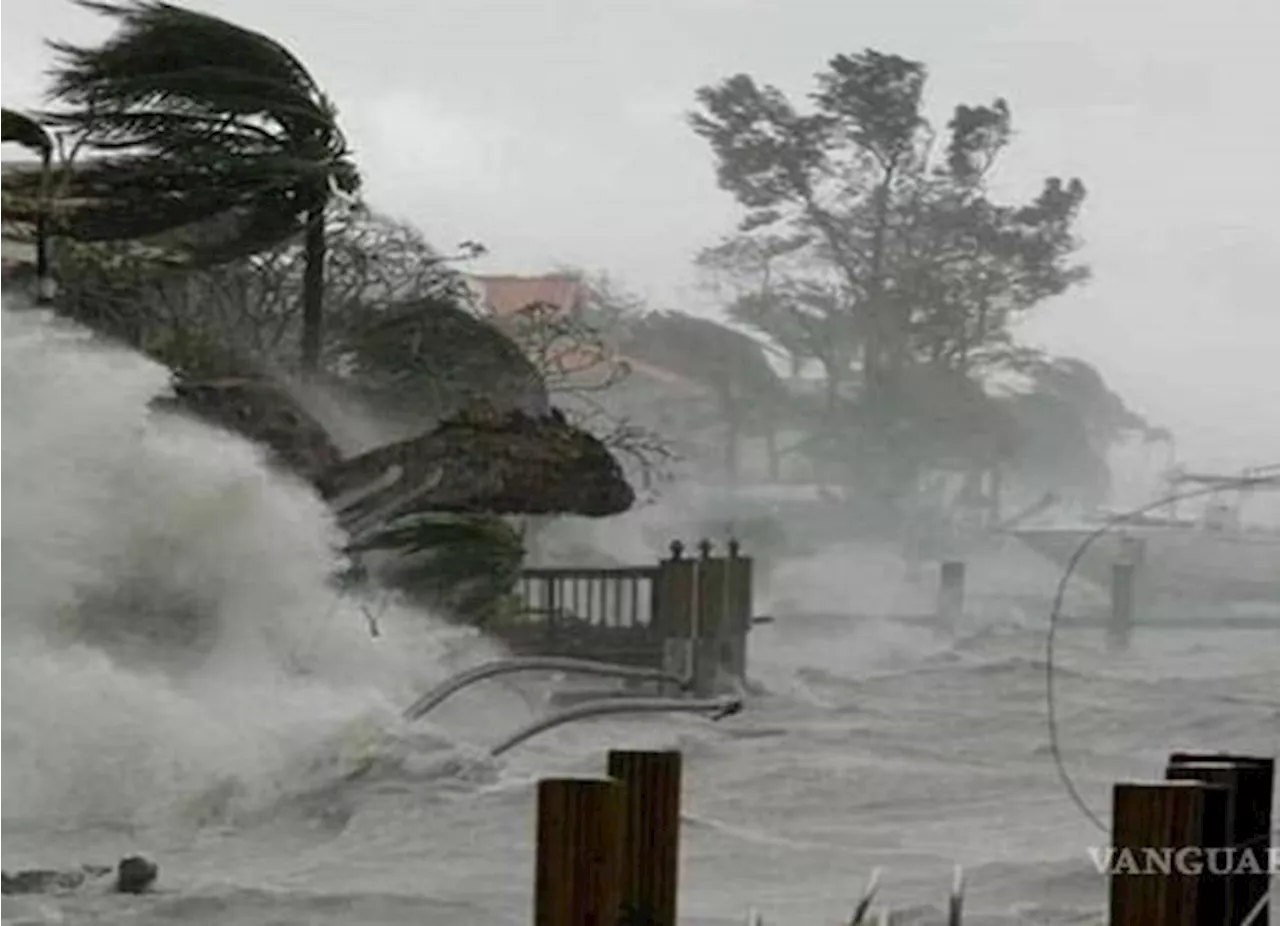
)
(20, 128)
(210, 134)
(465, 566)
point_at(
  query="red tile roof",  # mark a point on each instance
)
(504, 295)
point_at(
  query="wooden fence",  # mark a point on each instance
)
(608, 848)
(693, 612)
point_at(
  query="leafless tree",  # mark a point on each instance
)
(580, 364)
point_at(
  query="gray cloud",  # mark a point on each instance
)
(553, 131)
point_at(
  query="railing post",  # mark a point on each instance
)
(708, 623)
(650, 835)
(677, 660)
(579, 843)
(553, 609)
(1159, 868)
(738, 569)
(1249, 781)
(673, 595)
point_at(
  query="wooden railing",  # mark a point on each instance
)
(617, 597)
(686, 614)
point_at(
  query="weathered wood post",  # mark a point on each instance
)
(739, 609)
(1249, 781)
(650, 835)
(703, 614)
(1158, 870)
(579, 859)
(951, 592)
(673, 613)
(708, 629)
(1120, 626)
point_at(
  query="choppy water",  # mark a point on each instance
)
(274, 783)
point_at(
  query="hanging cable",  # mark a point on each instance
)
(1266, 477)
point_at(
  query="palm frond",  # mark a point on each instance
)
(24, 130)
(161, 127)
(202, 123)
(464, 564)
(158, 41)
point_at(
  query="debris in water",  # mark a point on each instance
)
(134, 875)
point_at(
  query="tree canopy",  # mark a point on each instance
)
(871, 243)
(202, 131)
(194, 117)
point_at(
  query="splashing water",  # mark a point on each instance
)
(175, 655)
(170, 622)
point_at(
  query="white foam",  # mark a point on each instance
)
(105, 497)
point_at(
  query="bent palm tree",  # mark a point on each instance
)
(16, 127)
(462, 566)
(211, 134)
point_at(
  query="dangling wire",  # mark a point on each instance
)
(1266, 478)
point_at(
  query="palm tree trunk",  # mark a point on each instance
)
(313, 290)
(44, 283)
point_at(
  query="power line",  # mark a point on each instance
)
(1265, 477)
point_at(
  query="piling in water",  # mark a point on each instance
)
(1167, 824)
(951, 592)
(1249, 781)
(650, 835)
(579, 846)
(1120, 628)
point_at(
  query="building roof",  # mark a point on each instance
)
(505, 295)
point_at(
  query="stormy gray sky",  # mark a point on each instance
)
(553, 131)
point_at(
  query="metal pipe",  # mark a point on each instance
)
(445, 689)
(720, 707)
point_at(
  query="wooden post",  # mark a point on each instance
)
(1159, 834)
(671, 615)
(553, 610)
(708, 627)
(674, 614)
(740, 607)
(677, 659)
(711, 593)
(706, 668)
(1249, 781)
(703, 612)
(951, 592)
(1120, 629)
(651, 835)
(579, 852)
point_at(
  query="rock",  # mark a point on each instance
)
(136, 875)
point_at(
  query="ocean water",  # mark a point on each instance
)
(258, 756)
